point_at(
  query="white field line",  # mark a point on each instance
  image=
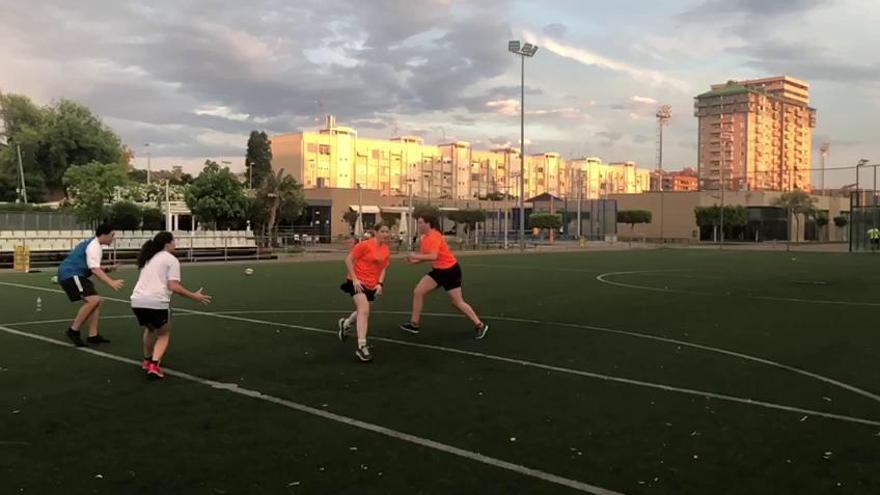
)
(531, 364)
(397, 435)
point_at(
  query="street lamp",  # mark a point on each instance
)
(664, 114)
(149, 167)
(861, 164)
(526, 50)
(409, 220)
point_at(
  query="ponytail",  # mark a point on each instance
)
(152, 247)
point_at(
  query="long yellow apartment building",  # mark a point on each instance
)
(335, 157)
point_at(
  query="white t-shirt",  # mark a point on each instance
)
(94, 254)
(152, 290)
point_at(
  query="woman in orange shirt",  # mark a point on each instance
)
(366, 265)
(446, 273)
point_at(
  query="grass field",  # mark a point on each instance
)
(681, 372)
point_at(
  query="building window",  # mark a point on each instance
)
(324, 149)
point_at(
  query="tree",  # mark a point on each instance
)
(493, 196)
(841, 221)
(468, 218)
(53, 138)
(74, 136)
(796, 203)
(426, 210)
(284, 198)
(22, 129)
(153, 219)
(125, 215)
(10, 184)
(217, 198)
(544, 221)
(390, 218)
(258, 160)
(632, 217)
(351, 217)
(821, 220)
(734, 217)
(91, 186)
(138, 175)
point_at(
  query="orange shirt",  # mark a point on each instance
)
(434, 241)
(370, 258)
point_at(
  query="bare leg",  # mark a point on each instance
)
(466, 309)
(163, 336)
(363, 317)
(94, 318)
(89, 305)
(425, 285)
(351, 318)
(149, 343)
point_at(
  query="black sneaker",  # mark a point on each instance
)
(481, 331)
(98, 339)
(75, 338)
(409, 327)
(342, 331)
(364, 354)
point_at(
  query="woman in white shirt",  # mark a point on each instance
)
(151, 299)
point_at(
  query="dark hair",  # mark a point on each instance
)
(378, 226)
(103, 229)
(428, 219)
(153, 247)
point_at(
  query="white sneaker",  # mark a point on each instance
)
(342, 330)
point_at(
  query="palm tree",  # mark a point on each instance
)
(797, 203)
(283, 197)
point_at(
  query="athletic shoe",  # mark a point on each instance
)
(155, 372)
(364, 354)
(98, 339)
(409, 327)
(481, 331)
(75, 338)
(145, 364)
(342, 330)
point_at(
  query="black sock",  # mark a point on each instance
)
(148, 358)
(72, 330)
(154, 361)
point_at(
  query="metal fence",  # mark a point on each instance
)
(39, 220)
(862, 219)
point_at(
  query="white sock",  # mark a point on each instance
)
(351, 319)
(362, 343)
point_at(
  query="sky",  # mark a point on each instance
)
(193, 78)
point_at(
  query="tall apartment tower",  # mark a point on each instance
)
(760, 132)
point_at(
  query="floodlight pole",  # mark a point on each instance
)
(21, 172)
(524, 50)
(522, 155)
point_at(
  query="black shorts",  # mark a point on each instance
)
(348, 288)
(78, 288)
(448, 278)
(152, 319)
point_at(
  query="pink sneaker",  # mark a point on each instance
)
(145, 364)
(155, 372)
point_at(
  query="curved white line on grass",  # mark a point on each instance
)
(730, 398)
(382, 430)
(683, 343)
(603, 278)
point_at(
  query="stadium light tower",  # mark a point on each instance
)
(824, 149)
(664, 115)
(524, 51)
